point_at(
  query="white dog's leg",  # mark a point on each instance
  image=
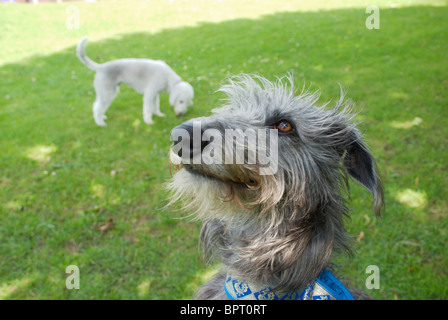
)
(105, 94)
(149, 106)
(100, 107)
(98, 113)
(158, 113)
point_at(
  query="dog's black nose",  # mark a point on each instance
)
(188, 137)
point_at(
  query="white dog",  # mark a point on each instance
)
(148, 77)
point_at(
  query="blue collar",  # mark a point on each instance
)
(325, 287)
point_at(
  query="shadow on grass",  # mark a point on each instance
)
(51, 207)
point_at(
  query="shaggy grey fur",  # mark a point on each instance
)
(281, 228)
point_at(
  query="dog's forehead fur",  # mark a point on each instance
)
(256, 101)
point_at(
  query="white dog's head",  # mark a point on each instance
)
(181, 97)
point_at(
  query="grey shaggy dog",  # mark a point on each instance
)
(280, 228)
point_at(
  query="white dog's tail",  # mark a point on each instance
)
(80, 52)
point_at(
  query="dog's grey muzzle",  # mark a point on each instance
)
(187, 141)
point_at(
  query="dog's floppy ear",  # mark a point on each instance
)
(361, 166)
(182, 88)
(174, 94)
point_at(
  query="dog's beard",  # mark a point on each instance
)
(217, 192)
(204, 196)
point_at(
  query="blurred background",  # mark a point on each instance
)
(73, 193)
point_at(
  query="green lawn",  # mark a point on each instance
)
(72, 193)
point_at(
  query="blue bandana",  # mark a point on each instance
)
(325, 287)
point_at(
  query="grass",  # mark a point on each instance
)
(72, 193)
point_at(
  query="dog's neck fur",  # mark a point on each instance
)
(289, 254)
(172, 82)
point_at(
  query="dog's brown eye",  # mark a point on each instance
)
(283, 126)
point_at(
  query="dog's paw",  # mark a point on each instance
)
(148, 120)
(99, 119)
(101, 123)
(160, 114)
